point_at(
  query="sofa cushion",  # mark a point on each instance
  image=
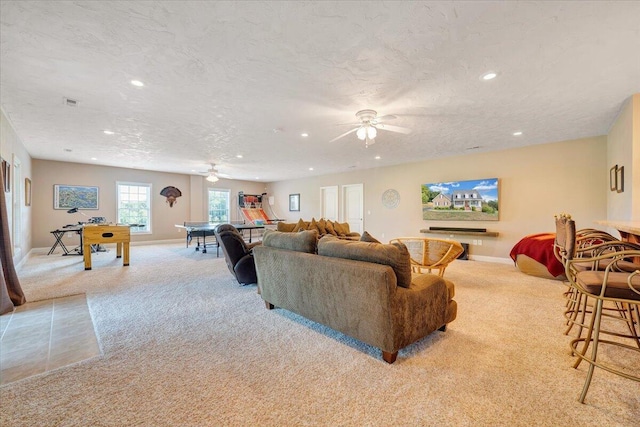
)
(366, 237)
(284, 226)
(394, 255)
(303, 241)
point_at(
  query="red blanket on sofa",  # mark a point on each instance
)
(539, 247)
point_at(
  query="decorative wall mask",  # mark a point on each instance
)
(171, 193)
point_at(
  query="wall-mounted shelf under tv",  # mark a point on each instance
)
(460, 231)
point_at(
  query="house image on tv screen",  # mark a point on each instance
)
(475, 200)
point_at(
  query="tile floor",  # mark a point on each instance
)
(45, 335)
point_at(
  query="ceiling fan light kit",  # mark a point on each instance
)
(213, 174)
(367, 129)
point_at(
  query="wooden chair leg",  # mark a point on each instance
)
(269, 305)
(389, 357)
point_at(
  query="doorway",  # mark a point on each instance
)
(353, 206)
(329, 201)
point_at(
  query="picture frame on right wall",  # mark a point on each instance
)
(473, 200)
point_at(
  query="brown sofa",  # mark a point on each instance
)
(364, 290)
(322, 226)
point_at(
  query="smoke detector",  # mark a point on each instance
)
(70, 102)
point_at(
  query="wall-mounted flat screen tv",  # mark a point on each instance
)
(474, 200)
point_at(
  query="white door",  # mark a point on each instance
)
(353, 206)
(329, 200)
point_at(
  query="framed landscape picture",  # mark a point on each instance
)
(475, 200)
(75, 196)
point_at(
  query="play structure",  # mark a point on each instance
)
(255, 209)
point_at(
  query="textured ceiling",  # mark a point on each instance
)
(229, 78)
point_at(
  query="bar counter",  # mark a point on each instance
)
(629, 230)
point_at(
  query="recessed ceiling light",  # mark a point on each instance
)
(94, 158)
(304, 134)
(108, 132)
(310, 169)
(137, 83)
(257, 177)
(518, 133)
(377, 157)
(239, 156)
(489, 76)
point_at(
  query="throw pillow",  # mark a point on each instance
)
(322, 226)
(394, 255)
(313, 225)
(286, 227)
(301, 225)
(329, 226)
(338, 228)
(302, 241)
(366, 237)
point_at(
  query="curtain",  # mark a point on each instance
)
(10, 291)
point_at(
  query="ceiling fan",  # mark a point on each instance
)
(369, 123)
(213, 175)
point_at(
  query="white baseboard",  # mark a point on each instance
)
(156, 242)
(40, 251)
(497, 260)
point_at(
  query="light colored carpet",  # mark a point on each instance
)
(184, 344)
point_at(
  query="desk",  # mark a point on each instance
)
(96, 234)
(204, 229)
(59, 234)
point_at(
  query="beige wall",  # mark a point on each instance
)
(13, 151)
(536, 182)
(623, 149)
(163, 218)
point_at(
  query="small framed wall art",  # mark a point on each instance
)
(294, 202)
(27, 192)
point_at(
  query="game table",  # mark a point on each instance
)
(206, 229)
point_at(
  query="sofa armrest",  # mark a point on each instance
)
(422, 309)
(253, 245)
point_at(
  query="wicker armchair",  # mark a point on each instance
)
(430, 254)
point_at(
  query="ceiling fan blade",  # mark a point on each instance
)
(387, 117)
(343, 135)
(391, 128)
